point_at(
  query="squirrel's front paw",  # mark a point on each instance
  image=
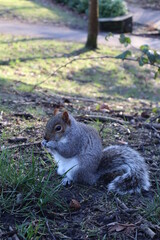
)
(66, 181)
(43, 143)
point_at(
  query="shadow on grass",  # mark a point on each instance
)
(107, 78)
(117, 83)
(13, 84)
(108, 83)
(4, 82)
(29, 39)
(26, 59)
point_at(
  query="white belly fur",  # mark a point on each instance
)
(66, 165)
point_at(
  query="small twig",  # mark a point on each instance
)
(14, 237)
(121, 204)
(154, 118)
(100, 118)
(8, 234)
(19, 145)
(124, 116)
(49, 230)
(85, 58)
(17, 139)
(128, 235)
(144, 227)
(147, 231)
(81, 99)
(135, 238)
(66, 64)
(156, 132)
(101, 129)
(151, 126)
(139, 145)
(125, 208)
(25, 115)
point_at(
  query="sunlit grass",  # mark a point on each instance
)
(37, 10)
(26, 62)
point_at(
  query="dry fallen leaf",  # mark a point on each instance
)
(74, 204)
(118, 227)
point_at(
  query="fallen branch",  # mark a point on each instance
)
(154, 118)
(151, 125)
(20, 145)
(73, 60)
(126, 117)
(80, 99)
(17, 139)
(49, 230)
(25, 115)
(83, 59)
(147, 231)
(123, 207)
(140, 145)
(143, 226)
(100, 118)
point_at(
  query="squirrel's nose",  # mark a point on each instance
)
(46, 138)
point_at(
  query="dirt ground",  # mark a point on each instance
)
(90, 212)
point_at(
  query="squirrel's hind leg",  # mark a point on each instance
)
(85, 177)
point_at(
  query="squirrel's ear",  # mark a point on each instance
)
(56, 110)
(65, 117)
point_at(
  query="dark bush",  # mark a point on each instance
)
(82, 6)
(112, 8)
(107, 8)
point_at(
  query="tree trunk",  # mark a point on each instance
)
(92, 25)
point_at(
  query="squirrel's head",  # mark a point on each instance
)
(57, 126)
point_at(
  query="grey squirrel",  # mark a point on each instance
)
(77, 150)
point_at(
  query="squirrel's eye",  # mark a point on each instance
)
(58, 128)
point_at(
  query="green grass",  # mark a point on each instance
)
(27, 188)
(26, 62)
(152, 210)
(38, 11)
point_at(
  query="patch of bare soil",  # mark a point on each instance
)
(91, 212)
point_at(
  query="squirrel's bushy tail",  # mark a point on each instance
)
(129, 182)
(128, 168)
